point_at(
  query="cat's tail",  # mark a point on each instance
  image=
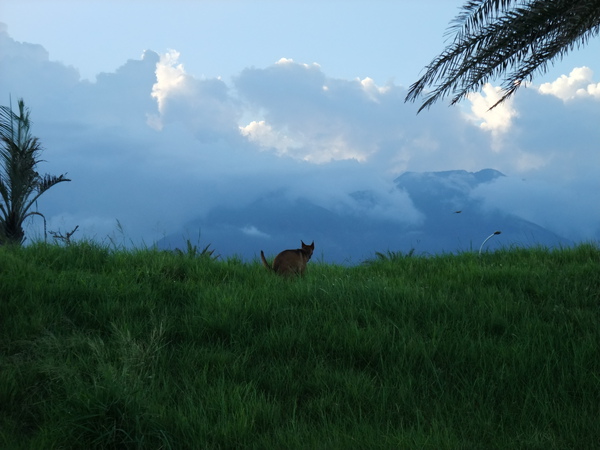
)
(264, 261)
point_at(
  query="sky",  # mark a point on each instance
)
(160, 111)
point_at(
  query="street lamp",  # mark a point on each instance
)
(487, 239)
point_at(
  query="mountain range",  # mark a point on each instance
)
(448, 220)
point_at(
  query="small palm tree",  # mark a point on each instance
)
(20, 184)
(492, 37)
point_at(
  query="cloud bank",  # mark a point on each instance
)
(154, 147)
(578, 84)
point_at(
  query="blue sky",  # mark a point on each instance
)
(162, 110)
(382, 39)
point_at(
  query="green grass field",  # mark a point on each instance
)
(143, 349)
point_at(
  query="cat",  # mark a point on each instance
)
(290, 262)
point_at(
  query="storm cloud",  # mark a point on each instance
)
(154, 147)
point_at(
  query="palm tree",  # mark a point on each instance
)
(513, 37)
(20, 184)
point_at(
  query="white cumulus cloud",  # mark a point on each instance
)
(263, 134)
(203, 106)
(170, 77)
(372, 90)
(496, 120)
(578, 84)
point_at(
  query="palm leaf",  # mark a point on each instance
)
(515, 38)
(20, 183)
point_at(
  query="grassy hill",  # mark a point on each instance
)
(144, 349)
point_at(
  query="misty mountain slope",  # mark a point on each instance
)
(435, 192)
(455, 221)
(276, 222)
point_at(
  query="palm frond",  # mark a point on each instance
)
(518, 38)
(20, 183)
(47, 181)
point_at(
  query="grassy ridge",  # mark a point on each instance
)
(147, 349)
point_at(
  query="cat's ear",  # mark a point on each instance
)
(311, 246)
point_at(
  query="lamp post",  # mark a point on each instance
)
(487, 239)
